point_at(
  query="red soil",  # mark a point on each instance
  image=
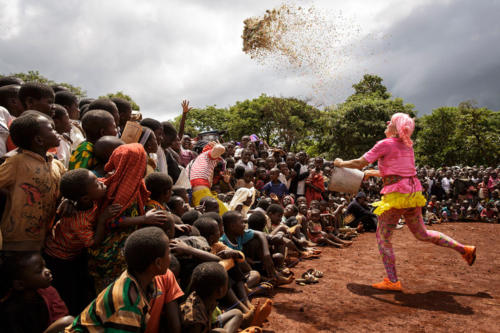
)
(442, 293)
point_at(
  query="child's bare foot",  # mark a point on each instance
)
(347, 243)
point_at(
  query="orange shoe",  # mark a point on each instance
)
(388, 285)
(470, 254)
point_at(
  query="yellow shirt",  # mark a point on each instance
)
(32, 185)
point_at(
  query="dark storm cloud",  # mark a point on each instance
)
(161, 52)
(442, 54)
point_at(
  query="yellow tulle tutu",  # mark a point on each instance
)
(399, 200)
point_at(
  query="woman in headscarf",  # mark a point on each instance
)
(125, 186)
(401, 195)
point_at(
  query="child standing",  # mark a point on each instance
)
(275, 186)
(65, 245)
(31, 178)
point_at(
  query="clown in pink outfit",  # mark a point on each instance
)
(401, 195)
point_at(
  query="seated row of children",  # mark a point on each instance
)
(120, 250)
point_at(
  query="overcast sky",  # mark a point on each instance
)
(430, 53)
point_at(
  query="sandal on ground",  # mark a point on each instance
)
(309, 278)
(313, 250)
(315, 273)
(308, 255)
(252, 329)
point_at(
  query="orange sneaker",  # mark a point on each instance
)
(470, 254)
(388, 285)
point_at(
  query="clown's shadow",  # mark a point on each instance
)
(432, 300)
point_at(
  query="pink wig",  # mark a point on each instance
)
(405, 126)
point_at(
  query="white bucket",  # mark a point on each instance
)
(346, 180)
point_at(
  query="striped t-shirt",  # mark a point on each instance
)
(203, 167)
(72, 234)
(114, 310)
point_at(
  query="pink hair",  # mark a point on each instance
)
(405, 126)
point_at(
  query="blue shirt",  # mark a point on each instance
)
(278, 189)
(241, 240)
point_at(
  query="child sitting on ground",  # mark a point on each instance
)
(124, 305)
(235, 236)
(209, 283)
(96, 124)
(31, 178)
(317, 235)
(70, 236)
(28, 304)
(237, 294)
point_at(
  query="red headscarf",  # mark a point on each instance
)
(126, 185)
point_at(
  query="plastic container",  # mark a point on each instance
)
(346, 180)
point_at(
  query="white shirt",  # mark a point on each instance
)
(248, 166)
(5, 119)
(301, 185)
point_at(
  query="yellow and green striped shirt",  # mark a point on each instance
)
(114, 311)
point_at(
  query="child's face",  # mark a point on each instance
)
(47, 135)
(270, 162)
(238, 227)
(287, 200)
(63, 124)
(73, 111)
(248, 177)
(96, 189)
(245, 157)
(151, 144)
(315, 205)
(36, 275)
(44, 105)
(301, 200)
(214, 236)
(186, 142)
(110, 128)
(289, 211)
(274, 175)
(275, 217)
(163, 263)
(303, 209)
(125, 116)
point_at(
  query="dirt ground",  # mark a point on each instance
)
(442, 292)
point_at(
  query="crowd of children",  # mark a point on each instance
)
(163, 232)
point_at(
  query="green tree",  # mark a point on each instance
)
(350, 129)
(279, 121)
(465, 134)
(371, 85)
(35, 76)
(120, 94)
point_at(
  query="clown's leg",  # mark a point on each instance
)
(414, 221)
(386, 224)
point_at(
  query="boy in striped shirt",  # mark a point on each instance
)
(124, 305)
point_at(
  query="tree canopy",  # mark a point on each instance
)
(120, 94)
(35, 76)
